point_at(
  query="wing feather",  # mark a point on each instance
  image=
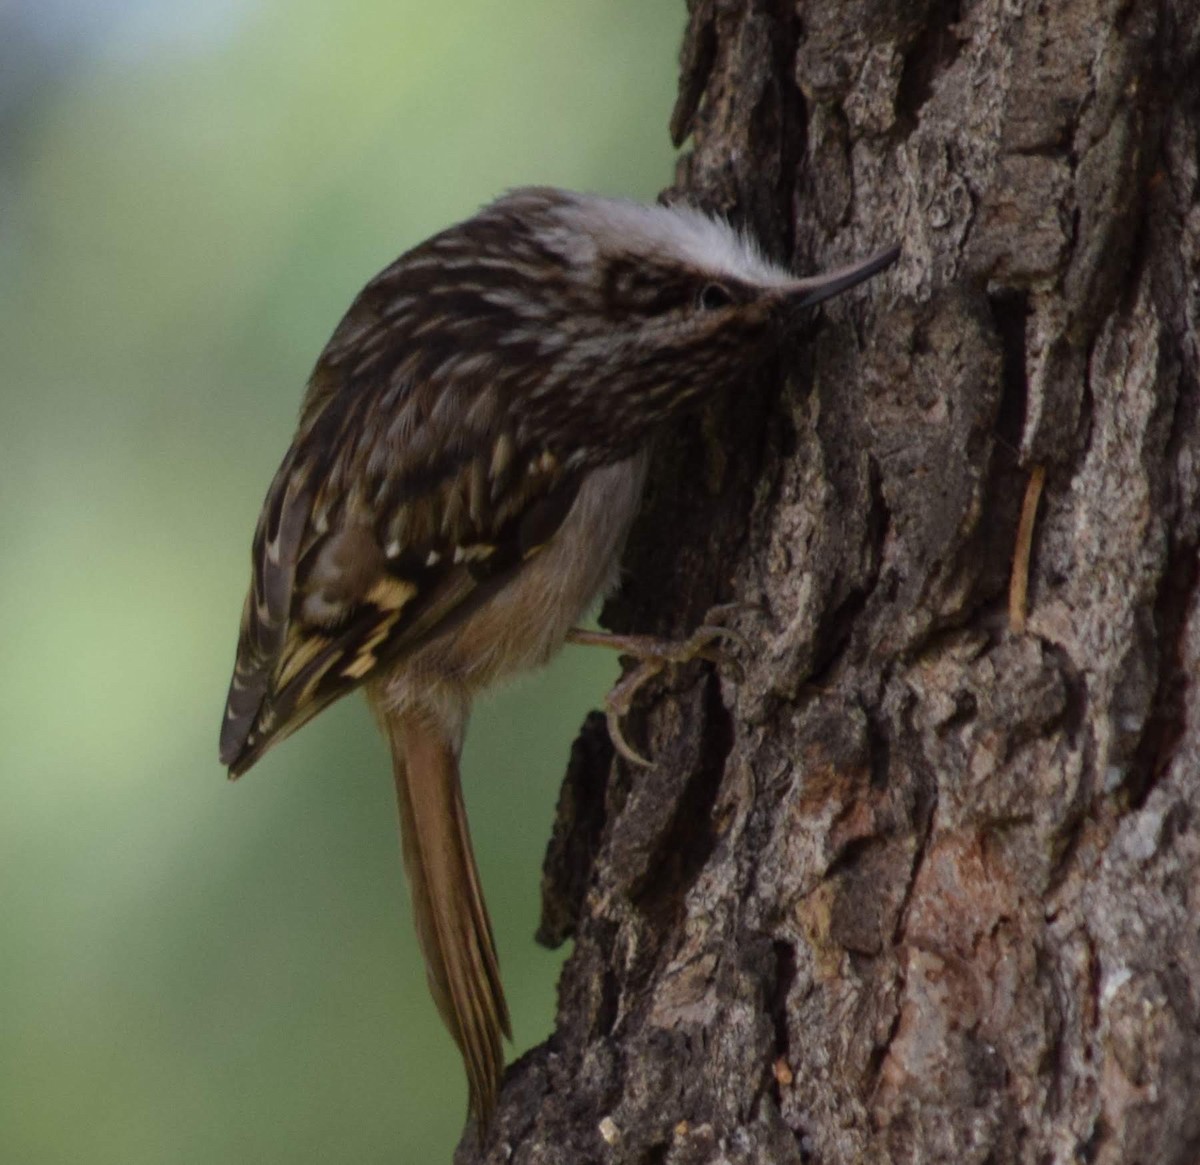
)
(410, 493)
(338, 593)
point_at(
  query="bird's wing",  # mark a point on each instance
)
(401, 505)
(333, 599)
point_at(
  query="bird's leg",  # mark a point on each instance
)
(654, 654)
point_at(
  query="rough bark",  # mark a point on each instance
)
(920, 884)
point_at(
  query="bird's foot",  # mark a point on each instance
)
(655, 654)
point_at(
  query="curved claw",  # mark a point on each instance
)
(618, 702)
(617, 735)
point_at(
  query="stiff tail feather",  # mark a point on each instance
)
(448, 906)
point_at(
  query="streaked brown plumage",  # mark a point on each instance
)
(469, 458)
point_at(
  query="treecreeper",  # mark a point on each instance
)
(468, 461)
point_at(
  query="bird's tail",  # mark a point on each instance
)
(448, 906)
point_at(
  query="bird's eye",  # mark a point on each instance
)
(713, 296)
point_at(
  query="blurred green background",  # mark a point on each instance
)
(190, 195)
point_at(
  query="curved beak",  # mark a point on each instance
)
(817, 288)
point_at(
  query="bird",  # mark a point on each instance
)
(468, 461)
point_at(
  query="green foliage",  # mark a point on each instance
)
(193, 972)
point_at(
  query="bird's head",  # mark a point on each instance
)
(579, 306)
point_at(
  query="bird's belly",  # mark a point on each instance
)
(525, 623)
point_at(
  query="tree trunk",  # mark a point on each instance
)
(921, 884)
